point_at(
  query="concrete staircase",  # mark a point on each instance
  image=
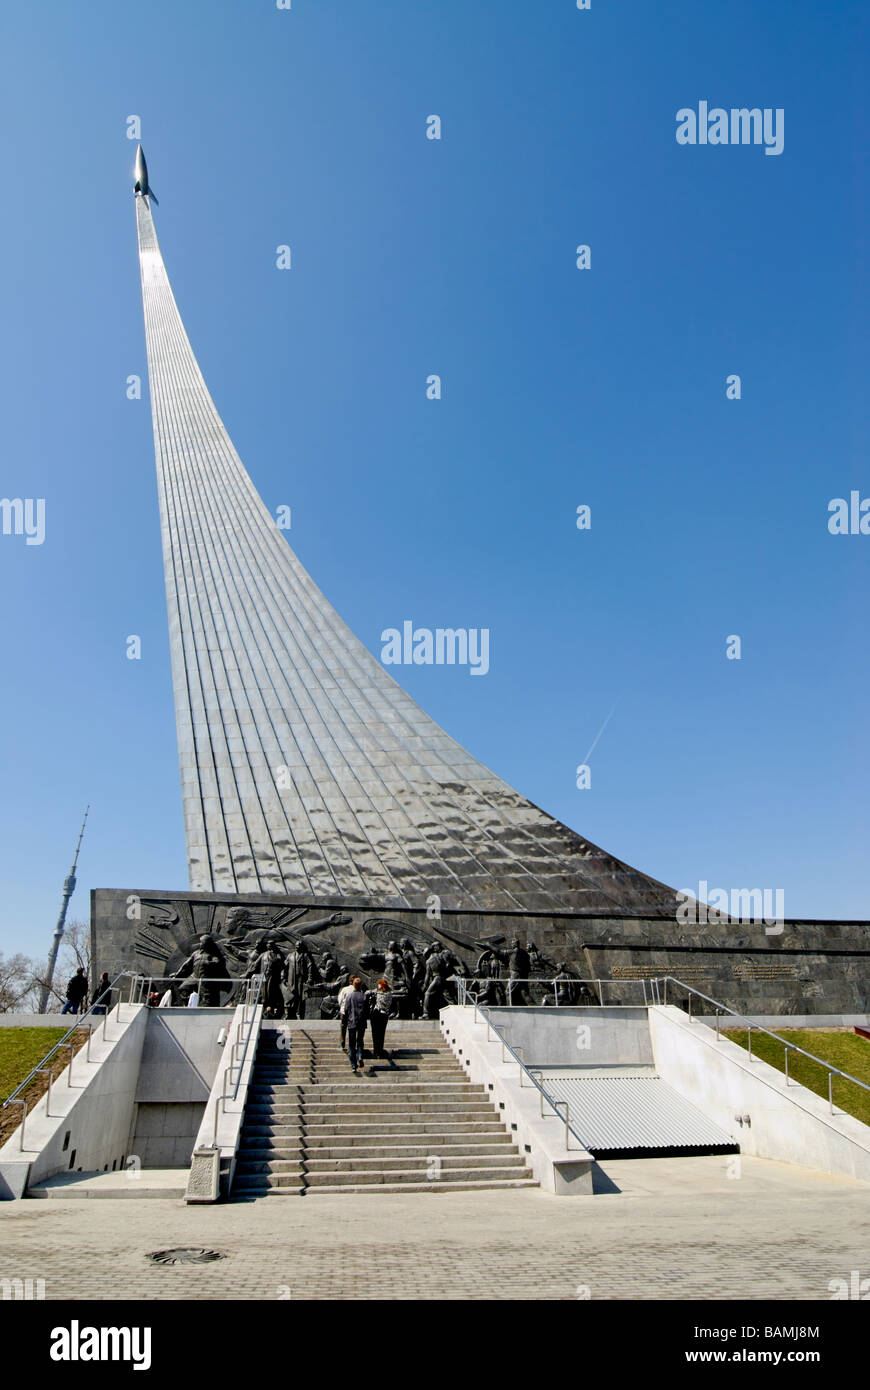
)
(415, 1125)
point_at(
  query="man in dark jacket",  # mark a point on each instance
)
(355, 1012)
(101, 1000)
(76, 991)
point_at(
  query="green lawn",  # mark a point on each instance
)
(21, 1049)
(848, 1051)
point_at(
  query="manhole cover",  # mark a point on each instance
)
(184, 1255)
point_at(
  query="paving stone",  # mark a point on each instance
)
(673, 1229)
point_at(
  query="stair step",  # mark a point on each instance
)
(370, 1119)
(270, 1160)
(424, 1123)
(374, 1086)
(408, 1145)
(358, 1189)
(397, 1177)
(491, 1148)
(432, 1138)
(254, 1188)
(319, 1167)
(380, 1105)
(310, 1125)
(292, 1142)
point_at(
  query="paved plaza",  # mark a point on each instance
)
(658, 1229)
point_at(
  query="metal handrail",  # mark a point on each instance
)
(466, 995)
(250, 1001)
(65, 1042)
(760, 1028)
(481, 1010)
(149, 980)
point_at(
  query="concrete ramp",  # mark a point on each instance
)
(621, 1112)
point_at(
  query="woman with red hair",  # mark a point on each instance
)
(380, 1005)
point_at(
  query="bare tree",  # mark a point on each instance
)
(18, 985)
(75, 951)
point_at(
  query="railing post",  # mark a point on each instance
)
(831, 1090)
(717, 1025)
(750, 1042)
(555, 1104)
(787, 1050)
(217, 1110)
(72, 1053)
(42, 1071)
(23, 1104)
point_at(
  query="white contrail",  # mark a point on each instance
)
(601, 731)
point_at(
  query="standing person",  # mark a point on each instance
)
(294, 980)
(355, 1010)
(519, 969)
(270, 964)
(412, 975)
(101, 999)
(342, 995)
(437, 971)
(76, 992)
(380, 1006)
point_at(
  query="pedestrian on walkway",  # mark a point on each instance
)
(101, 999)
(355, 1010)
(380, 1008)
(76, 992)
(342, 995)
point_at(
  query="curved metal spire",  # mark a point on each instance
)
(305, 768)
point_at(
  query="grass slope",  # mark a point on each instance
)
(20, 1050)
(848, 1051)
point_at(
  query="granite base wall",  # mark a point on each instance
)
(809, 967)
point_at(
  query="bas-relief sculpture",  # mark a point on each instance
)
(302, 969)
(577, 960)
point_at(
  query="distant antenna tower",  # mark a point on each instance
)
(69, 888)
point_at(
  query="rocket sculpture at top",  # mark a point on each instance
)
(140, 175)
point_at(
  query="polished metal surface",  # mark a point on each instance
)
(630, 1108)
(304, 766)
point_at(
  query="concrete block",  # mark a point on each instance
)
(14, 1175)
(204, 1181)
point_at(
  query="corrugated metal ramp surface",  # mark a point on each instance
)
(630, 1112)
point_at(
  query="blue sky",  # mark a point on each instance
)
(560, 387)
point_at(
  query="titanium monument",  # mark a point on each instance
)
(312, 781)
